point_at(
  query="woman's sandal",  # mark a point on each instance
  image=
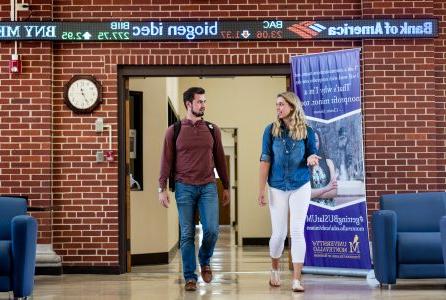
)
(297, 287)
(274, 281)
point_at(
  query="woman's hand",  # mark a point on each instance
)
(313, 160)
(332, 185)
(262, 200)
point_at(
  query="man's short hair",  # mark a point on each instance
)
(188, 96)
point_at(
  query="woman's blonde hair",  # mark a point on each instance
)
(297, 126)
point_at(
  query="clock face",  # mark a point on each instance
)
(82, 94)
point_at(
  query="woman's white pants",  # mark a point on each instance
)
(296, 202)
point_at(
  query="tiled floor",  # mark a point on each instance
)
(239, 272)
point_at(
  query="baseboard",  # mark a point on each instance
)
(159, 258)
(260, 241)
(105, 270)
(255, 241)
(48, 270)
(150, 259)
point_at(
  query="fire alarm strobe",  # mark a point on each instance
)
(15, 65)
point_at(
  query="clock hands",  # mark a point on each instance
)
(82, 92)
(85, 98)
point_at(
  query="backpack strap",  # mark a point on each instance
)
(271, 135)
(306, 144)
(212, 130)
(176, 133)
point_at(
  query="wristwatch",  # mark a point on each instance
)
(160, 189)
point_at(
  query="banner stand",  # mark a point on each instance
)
(350, 272)
(335, 271)
(336, 228)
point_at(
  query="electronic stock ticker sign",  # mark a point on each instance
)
(218, 30)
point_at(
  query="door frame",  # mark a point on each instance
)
(127, 71)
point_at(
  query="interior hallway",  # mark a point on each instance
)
(239, 273)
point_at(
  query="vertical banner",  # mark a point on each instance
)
(328, 85)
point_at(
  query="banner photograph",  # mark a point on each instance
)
(328, 85)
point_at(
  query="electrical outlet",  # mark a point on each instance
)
(99, 125)
(100, 156)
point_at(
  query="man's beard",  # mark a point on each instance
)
(198, 114)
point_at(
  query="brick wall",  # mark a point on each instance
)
(403, 85)
(85, 192)
(402, 112)
(440, 92)
(25, 121)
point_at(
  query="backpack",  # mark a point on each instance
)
(176, 133)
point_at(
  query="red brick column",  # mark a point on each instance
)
(440, 92)
(26, 120)
(399, 107)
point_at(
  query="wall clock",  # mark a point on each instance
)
(82, 94)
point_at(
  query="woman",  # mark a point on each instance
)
(288, 149)
(323, 177)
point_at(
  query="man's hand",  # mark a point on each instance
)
(164, 199)
(226, 198)
(262, 200)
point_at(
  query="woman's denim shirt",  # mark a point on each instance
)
(288, 158)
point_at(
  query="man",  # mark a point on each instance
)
(193, 155)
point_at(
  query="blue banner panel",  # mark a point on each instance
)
(328, 84)
(336, 231)
(338, 238)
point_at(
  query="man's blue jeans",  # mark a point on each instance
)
(189, 198)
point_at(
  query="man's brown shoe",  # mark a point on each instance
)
(191, 285)
(206, 273)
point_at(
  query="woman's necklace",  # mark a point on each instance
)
(288, 150)
(285, 133)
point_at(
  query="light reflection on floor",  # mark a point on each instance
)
(239, 273)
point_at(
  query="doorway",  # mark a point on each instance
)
(227, 213)
(126, 72)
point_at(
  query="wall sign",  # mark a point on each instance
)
(219, 30)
